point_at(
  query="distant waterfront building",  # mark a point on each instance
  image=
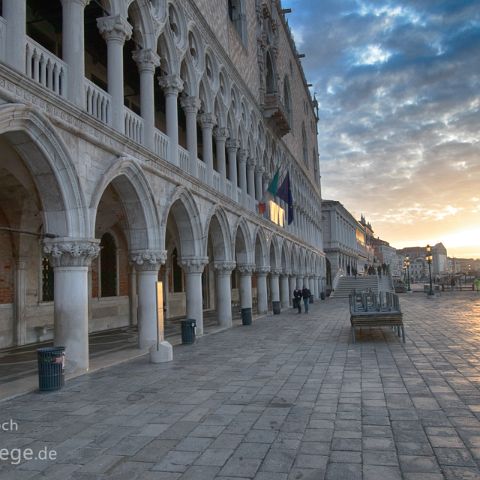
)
(418, 264)
(138, 138)
(346, 241)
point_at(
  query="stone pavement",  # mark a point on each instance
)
(289, 397)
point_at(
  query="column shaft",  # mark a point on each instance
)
(284, 291)
(15, 14)
(221, 135)
(207, 122)
(232, 148)
(190, 107)
(71, 315)
(224, 298)
(251, 179)
(262, 298)
(20, 302)
(74, 49)
(193, 291)
(275, 292)
(147, 308)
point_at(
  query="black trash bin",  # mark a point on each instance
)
(188, 331)
(322, 295)
(246, 316)
(310, 300)
(276, 308)
(51, 368)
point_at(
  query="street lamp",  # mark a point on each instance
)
(406, 265)
(428, 258)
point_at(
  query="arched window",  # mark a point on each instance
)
(270, 75)
(108, 266)
(236, 14)
(304, 145)
(287, 100)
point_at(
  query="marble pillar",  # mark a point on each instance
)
(15, 14)
(115, 30)
(207, 122)
(191, 106)
(70, 258)
(284, 291)
(246, 292)
(262, 296)
(232, 148)
(221, 135)
(275, 291)
(147, 61)
(224, 292)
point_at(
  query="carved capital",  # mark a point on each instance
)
(262, 270)
(221, 133)
(232, 145)
(275, 271)
(146, 59)
(251, 162)
(148, 260)
(225, 267)
(246, 268)
(207, 120)
(259, 169)
(242, 155)
(193, 264)
(171, 84)
(71, 252)
(82, 3)
(114, 28)
(190, 104)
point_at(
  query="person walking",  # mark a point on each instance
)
(306, 297)
(297, 299)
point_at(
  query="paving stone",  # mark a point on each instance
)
(214, 457)
(454, 456)
(344, 471)
(241, 466)
(376, 472)
(415, 463)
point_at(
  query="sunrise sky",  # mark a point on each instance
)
(398, 86)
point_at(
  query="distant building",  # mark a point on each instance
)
(418, 264)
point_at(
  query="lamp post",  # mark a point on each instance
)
(428, 258)
(406, 264)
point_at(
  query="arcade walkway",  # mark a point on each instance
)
(289, 397)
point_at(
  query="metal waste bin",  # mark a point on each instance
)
(188, 331)
(322, 295)
(246, 316)
(51, 368)
(310, 300)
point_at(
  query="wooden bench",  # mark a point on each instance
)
(369, 310)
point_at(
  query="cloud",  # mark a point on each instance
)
(398, 87)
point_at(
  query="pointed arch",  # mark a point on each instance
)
(128, 179)
(242, 245)
(217, 225)
(52, 169)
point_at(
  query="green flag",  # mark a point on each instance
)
(273, 186)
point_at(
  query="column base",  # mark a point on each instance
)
(162, 353)
(276, 308)
(246, 316)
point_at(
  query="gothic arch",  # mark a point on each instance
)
(136, 196)
(48, 161)
(261, 248)
(242, 245)
(217, 222)
(185, 213)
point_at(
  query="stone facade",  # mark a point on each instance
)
(141, 156)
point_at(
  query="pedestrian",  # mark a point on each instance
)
(379, 271)
(348, 270)
(306, 297)
(297, 302)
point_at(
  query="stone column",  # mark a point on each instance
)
(259, 182)
(300, 281)
(190, 106)
(293, 286)
(73, 53)
(284, 291)
(15, 14)
(20, 301)
(132, 283)
(70, 258)
(316, 290)
(193, 269)
(147, 61)
(246, 292)
(311, 285)
(242, 159)
(232, 148)
(262, 297)
(172, 85)
(147, 263)
(275, 291)
(251, 177)
(224, 292)
(207, 122)
(221, 135)
(115, 30)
